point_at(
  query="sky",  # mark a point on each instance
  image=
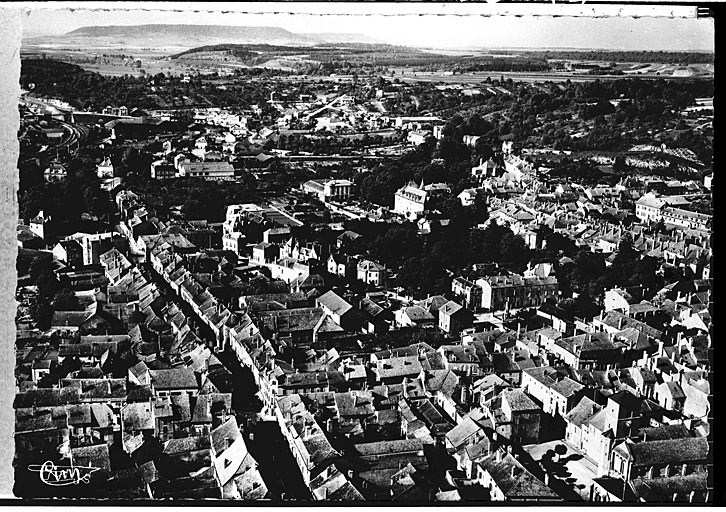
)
(436, 25)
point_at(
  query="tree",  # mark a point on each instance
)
(66, 300)
(479, 210)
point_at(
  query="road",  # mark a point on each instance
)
(477, 78)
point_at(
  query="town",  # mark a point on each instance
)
(365, 287)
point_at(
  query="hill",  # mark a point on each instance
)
(339, 37)
(161, 35)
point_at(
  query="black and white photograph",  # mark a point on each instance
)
(368, 253)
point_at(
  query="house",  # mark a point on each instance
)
(410, 200)
(69, 252)
(337, 308)
(37, 224)
(661, 458)
(379, 317)
(342, 265)
(105, 169)
(649, 208)
(470, 140)
(394, 370)
(276, 235)
(91, 320)
(381, 460)
(469, 292)
(332, 485)
(469, 195)
(137, 420)
(228, 450)
(484, 169)
(309, 446)
(515, 416)
(27, 239)
(462, 359)
(488, 387)
(670, 395)
(371, 273)
(414, 316)
(592, 351)
(507, 480)
(592, 428)
(618, 299)
(174, 381)
(466, 433)
(418, 137)
(514, 292)
(454, 318)
(557, 394)
(162, 170)
(55, 172)
(263, 253)
(347, 237)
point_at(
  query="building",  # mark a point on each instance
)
(162, 170)
(55, 172)
(454, 318)
(649, 208)
(515, 416)
(328, 190)
(470, 292)
(660, 458)
(336, 307)
(69, 252)
(507, 480)
(371, 272)
(105, 169)
(470, 140)
(410, 200)
(485, 169)
(206, 170)
(686, 218)
(501, 293)
(418, 137)
(342, 265)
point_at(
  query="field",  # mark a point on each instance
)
(138, 60)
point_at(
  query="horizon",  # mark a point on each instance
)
(477, 26)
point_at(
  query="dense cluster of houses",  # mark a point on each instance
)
(178, 350)
(139, 382)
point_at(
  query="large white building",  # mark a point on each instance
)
(649, 208)
(327, 190)
(410, 200)
(206, 170)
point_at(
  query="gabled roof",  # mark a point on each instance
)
(583, 411)
(334, 302)
(518, 400)
(514, 480)
(685, 449)
(174, 378)
(461, 432)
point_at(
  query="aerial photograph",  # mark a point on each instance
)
(320, 256)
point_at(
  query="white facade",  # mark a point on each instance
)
(410, 200)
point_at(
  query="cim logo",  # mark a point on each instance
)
(58, 476)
